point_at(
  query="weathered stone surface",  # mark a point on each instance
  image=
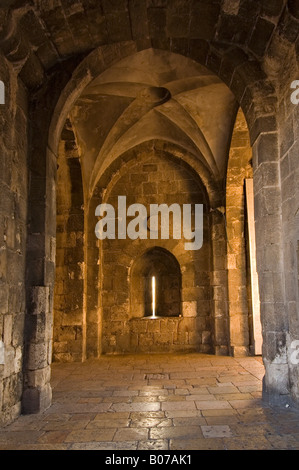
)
(45, 61)
(149, 178)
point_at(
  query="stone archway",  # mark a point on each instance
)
(252, 89)
(194, 330)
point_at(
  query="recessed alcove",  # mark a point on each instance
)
(162, 265)
(182, 320)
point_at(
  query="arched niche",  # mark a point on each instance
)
(161, 265)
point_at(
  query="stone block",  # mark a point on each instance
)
(138, 178)
(60, 347)
(63, 357)
(39, 327)
(203, 20)
(9, 361)
(168, 325)
(37, 399)
(187, 324)
(194, 337)
(273, 8)
(4, 290)
(123, 341)
(7, 329)
(139, 326)
(39, 378)
(203, 308)
(153, 326)
(157, 22)
(149, 188)
(37, 356)
(72, 318)
(181, 338)
(150, 168)
(240, 351)
(219, 293)
(267, 148)
(116, 327)
(12, 390)
(17, 298)
(146, 340)
(273, 316)
(163, 338)
(39, 300)
(231, 261)
(3, 264)
(261, 36)
(2, 352)
(134, 342)
(231, 7)
(200, 323)
(206, 337)
(177, 25)
(190, 309)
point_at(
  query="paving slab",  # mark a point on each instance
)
(159, 402)
(213, 431)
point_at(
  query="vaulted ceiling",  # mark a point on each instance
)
(154, 95)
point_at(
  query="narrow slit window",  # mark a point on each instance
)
(153, 296)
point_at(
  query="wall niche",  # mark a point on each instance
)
(161, 298)
(183, 314)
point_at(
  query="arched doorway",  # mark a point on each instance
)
(259, 144)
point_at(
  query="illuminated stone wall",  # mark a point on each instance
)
(50, 53)
(155, 179)
(13, 214)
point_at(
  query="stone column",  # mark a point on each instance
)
(92, 321)
(267, 202)
(238, 169)
(219, 284)
(40, 275)
(37, 394)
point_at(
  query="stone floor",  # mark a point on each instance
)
(158, 402)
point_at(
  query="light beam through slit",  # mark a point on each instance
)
(153, 297)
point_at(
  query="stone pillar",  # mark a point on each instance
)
(237, 170)
(289, 175)
(40, 276)
(68, 292)
(219, 285)
(37, 394)
(237, 276)
(267, 202)
(92, 322)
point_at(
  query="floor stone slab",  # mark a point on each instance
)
(216, 431)
(106, 404)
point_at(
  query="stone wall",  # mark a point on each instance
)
(154, 179)
(13, 212)
(68, 294)
(253, 47)
(184, 334)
